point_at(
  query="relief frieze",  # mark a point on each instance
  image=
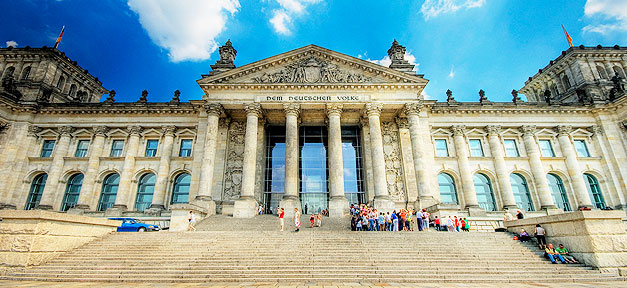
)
(312, 70)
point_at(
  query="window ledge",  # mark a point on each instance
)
(179, 158)
(552, 158)
(39, 159)
(517, 158)
(480, 158)
(111, 158)
(589, 158)
(75, 158)
(445, 158)
(147, 158)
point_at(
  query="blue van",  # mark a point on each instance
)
(133, 225)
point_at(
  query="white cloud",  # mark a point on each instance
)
(433, 8)
(425, 96)
(452, 73)
(282, 18)
(386, 61)
(186, 28)
(11, 43)
(610, 15)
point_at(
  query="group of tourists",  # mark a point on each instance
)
(366, 218)
(553, 254)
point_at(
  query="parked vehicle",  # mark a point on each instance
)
(133, 225)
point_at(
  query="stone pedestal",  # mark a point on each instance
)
(115, 211)
(425, 201)
(476, 211)
(338, 207)
(245, 208)
(384, 204)
(288, 204)
(179, 219)
(206, 203)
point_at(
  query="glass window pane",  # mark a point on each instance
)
(558, 192)
(448, 194)
(46, 149)
(116, 148)
(151, 148)
(180, 192)
(81, 148)
(186, 148)
(36, 191)
(483, 189)
(145, 191)
(475, 148)
(594, 191)
(546, 148)
(441, 149)
(511, 149)
(521, 192)
(582, 148)
(109, 192)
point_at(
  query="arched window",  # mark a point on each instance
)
(72, 91)
(8, 72)
(72, 190)
(554, 91)
(619, 71)
(61, 82)
(36, 190)
(180, 192)
(565, 82)
(25, 73)
(595, 191)
(109, 191)
(483, 188)
(602, 72)
(558, 192)
(521, 192)
(145, 190)
(448, 193)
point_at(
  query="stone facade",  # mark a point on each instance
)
(213, 152)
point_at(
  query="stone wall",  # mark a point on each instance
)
(597, 238)
(32, 237)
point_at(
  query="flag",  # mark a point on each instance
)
(56, 44)
(570, 40)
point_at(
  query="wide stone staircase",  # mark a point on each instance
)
(227, 253)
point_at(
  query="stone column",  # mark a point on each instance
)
(572, 165)
(20, 144)
(203, 198)
(609, 69)
(425, 197)
(542, 185)
(468, 185)
(338, 204)
(502, 174)
(382, 200)
(245, 207)
(158, 199)
(290, 198)
(124, 189)
(49, 196)
(87, 190)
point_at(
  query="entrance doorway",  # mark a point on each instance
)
(313, 169)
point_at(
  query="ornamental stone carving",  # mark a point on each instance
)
(66, 130)
(563, 130)
(334, 109)
(214, 109)
(134, 129)
(168, 130)
(402, 122)
(596, 130)
(234, 161)
(111, 97)
(311, 70)
(101, 130)
(374, 109)
(291, 109)
(253, 108)
(458, 130)
(493, 129)
(224, 122)
(33, 130)
(363, 122)
(393, 161)
(4, 126)
(528, 129)
(412, 108)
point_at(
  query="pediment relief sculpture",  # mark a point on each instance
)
(312, 70)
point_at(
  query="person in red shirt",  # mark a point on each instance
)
(281, 215)
(456, 224)
(463, 224)
(436, 221)
(403, 219)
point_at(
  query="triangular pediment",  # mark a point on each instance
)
(312, 65)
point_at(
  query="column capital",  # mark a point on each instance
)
(334, 109)
(374, 109)
(363, 122)
(402, 122)
(458, 130)
(253, 108)
(493, 129)
(65, 130)
(134, 129)
(528, 129)
(4, 125)
(596, 130)
(101, 130)
(563, 130)
(413, 108)
(291, 109)
(224, 122)
(214, 109)
(33, 130)
(168, 130)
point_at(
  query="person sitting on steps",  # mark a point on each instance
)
(552, 254)
(561, 250)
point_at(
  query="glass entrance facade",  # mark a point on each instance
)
(313, 169)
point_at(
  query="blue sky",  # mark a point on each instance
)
(462, 45)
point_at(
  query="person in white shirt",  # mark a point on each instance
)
(192, 221)
(449, 224)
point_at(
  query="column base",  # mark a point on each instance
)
(510, 207)
(585, 207)
(115, 211)
(78, 209)
(289, 203)
(551, 210)
(476, 211)
(245, 208)
(207, 203)
(44, 207)
(338, 207)
(384, 204)
(4, 206)
(425, 201)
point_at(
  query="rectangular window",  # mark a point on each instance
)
(186, 148)
(582, 148)
(546, 148)
(46, 149)
(475, 148)
(511, 149)
(81, 148)
(441, 150)
(116, 148)
(151, 148)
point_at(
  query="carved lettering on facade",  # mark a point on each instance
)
(234, 161)
(393, 161)
(312, 70)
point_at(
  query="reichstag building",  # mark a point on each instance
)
(313, 127)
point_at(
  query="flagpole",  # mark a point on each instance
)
(56, 44)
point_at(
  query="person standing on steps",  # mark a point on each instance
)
(192, 221)
(281, 220)
(519, 215)
(297, 219)
(305, 211)
(312, 219)
(540, 234)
